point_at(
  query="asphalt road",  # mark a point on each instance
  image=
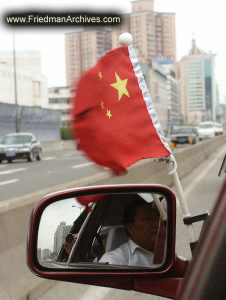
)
(201, 188)
(57, 167)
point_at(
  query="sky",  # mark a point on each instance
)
(66, 210)
(202, 20)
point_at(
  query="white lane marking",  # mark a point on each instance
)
(12, 171)
(82, 165)
(74, 155)
(49, 158)
(9, 181)
(197, 180)
(70, 158)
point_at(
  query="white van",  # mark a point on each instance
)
(206, 130)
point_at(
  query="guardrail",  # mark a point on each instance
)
(16, 281)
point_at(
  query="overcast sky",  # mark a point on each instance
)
(204, 20)
(66, 211)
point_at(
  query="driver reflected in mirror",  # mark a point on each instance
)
(141, 221)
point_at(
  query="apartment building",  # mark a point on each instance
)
(83, 49)
(154, 33)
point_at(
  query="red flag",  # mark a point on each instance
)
(85, 200)
(113, 116)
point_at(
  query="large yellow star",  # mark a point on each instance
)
(120, 85)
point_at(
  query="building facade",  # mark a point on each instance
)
(154, 38)
(154, 33)
(59, 98)
(31, 85)
(60, 235)
(198, 85)
(158, 91)
(173, 100)
(83, 49)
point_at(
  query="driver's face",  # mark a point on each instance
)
(144, 229)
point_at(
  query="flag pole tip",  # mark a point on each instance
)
(125, 39)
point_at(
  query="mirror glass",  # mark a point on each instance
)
(112, 231)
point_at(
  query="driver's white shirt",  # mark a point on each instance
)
(129, 254)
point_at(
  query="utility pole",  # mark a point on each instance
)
(15, 84)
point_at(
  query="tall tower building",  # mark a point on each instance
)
(165, 38)
(198, 85)
(141, 24)
(83, 49)
(154, 34)
(60, 235)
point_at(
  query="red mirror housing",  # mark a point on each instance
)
(163, 281)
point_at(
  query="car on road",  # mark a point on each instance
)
(206, 130)
(20, 146)
(184, 135)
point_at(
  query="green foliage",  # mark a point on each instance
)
(65, 133)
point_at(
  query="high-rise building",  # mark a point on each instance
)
(198, 85)
(165, 38)
(83, 49)
(154, 34)
(60, 235)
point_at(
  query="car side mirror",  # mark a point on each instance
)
(72, 242)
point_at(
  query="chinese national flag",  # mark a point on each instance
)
(113, 117)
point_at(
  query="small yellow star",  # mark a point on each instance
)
(108, 114)
(120, 85)
(100, 75)
(102, 104)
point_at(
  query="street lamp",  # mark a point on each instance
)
(15, 84)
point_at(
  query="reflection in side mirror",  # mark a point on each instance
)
(121, 230)
(54, 231)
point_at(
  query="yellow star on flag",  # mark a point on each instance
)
(120, 85)
(109, 115)
(100, 75)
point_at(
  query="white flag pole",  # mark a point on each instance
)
(126, 39)
(182, 200)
